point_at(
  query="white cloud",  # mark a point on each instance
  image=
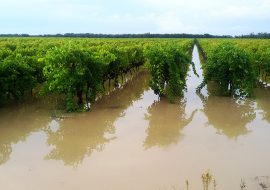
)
(171, 23)
(244, 11)
(214, 16)
(135, 16)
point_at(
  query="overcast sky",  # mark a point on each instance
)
(231, 17)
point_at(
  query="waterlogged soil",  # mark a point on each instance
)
(131, 139)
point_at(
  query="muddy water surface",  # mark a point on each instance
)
(133, 140)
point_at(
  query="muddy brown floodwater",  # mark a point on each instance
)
(131, 140)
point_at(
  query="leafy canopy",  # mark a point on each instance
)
(231, 68)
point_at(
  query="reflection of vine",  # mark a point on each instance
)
(194, 69)
(206, 180)
(17, 123)
(263, 182)
(81, 136)
(165, 123)
(262, 99)
(232, 124)
(5, 151)
(214, 184)
(243, 184)
(187, 184)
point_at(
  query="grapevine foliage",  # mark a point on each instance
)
(231, 68)
(168, 66)
(77, 69)
(73, 72)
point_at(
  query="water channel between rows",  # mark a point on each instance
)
(131, 140)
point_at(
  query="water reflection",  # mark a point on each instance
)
(263, 103)
(165, 123)
(78, 137)
(17, 123)
(69, 142)
(5, 151)
(229, 116)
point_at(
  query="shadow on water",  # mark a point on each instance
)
(78, 137)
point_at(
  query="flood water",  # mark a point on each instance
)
(132, 140)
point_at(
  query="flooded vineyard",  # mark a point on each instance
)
(131, 139)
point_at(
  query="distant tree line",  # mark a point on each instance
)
(252, 35)
(145, 35)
